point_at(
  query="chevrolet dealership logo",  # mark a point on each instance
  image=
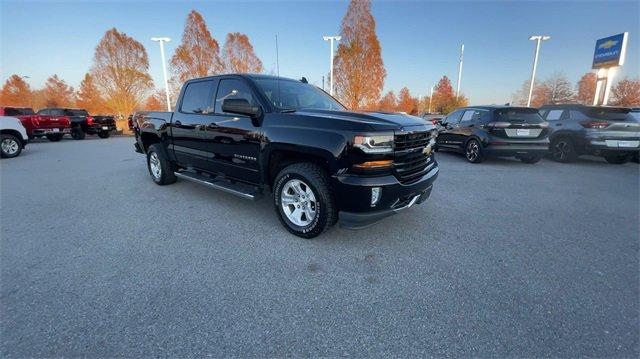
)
(608, 44)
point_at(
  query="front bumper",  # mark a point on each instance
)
(354, 197)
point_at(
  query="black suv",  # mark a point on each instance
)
(244, 134)
(480, 131)
(611, 132)
(82, 123)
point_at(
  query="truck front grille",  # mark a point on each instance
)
(411, 163)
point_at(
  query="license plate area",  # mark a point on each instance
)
(525, 132)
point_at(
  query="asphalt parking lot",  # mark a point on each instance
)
(505, 259)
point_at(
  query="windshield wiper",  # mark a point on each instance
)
(288, 110)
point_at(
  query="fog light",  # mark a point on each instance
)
(375, 195)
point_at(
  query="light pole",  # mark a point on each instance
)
(331, 39)
(460, 70)
(430, 99)
(538, 39)
(162, 40)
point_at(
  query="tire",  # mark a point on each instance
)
(616, 159)
(104, 134)
(55, 138)
(473, 151)
(530, 159)
(159, 166)
(10, 146)
(77, 133)
(563, 150)
(307, 186)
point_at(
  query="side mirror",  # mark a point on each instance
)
(241, 106)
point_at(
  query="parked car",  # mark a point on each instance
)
(244, 134)
(51, 127)
(106, 123)
(13, 137)
(481, 131)
(81, 123)
(610, 132)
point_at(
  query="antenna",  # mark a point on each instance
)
(278, 72)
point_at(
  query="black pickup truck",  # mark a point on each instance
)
(82, 123)
(245, 134)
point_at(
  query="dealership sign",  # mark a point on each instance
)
(610, 51)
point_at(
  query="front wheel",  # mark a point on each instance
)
(10, 146)
(616, 159)
(563, 150)
(104, 134)
(55, 138)
(530, 159)
(77, 133)
(303, 200)
(160, 168)
(473, 151)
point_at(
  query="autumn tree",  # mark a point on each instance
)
(586, 88)
(239, 56)
(540, 95)
(155, 102)
(358, 69)
(423, 104)
(407, 103)
(443, 96)
(89, 98)
(388, 103)
(626, 93)
(16, 92)
(121, 71)
(198, 54)
(38, 99)
(556, 90)
(57, 93)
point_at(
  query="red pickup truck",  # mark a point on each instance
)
(52, 127)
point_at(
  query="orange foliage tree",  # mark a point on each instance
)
(407, 103)
(155, 102)
(16, 92)
(239, 56)
(626, 93)
(57, 93)
(198, 54)
(358, 68)
(586, 88)
(120, 69)
(89, 98)
(443, 96)
(388, 102)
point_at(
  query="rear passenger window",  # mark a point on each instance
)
(467, 117)
(577, 115)
(197, 98)
(233, 89)
(554, 115)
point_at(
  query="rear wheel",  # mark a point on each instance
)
(563, 150)
(160, 168)
(77, 133)
(303, 200)
(473, 151)
(530, 159)
(616, 159)
(10, 146)
(55, 138)
(104, 134)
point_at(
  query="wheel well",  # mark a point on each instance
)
(13, 133)
(149, 139)
(280, 159)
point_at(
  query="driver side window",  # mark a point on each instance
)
(233, 89)
(453, 118)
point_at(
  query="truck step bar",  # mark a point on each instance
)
(236, 188)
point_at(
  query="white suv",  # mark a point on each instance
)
(13, 137)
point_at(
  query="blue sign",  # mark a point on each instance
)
(610, 51)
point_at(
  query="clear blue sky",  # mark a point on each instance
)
(420, 39)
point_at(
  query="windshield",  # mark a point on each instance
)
(525, 115)
(296, 95)
(76, 113)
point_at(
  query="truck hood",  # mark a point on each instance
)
(375, 120)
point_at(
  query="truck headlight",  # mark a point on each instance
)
(374, 143)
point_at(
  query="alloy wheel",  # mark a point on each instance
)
(298, 202)
(561, 150)
(154, 165)
(473, 150)
(10, 146)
